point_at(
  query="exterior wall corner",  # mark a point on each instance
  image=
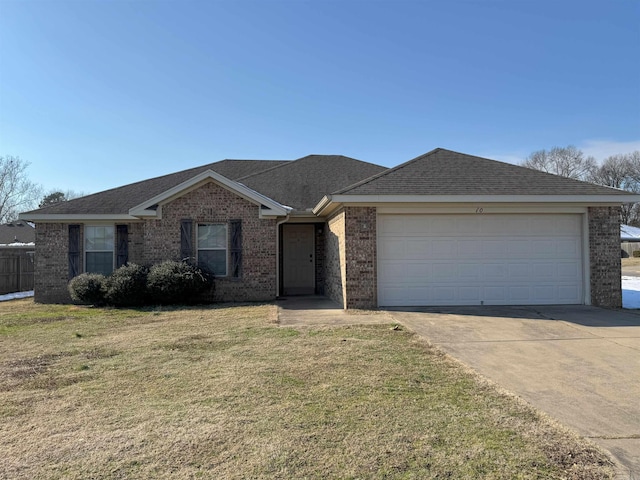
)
(604, 256)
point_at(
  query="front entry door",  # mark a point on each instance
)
(298, 259)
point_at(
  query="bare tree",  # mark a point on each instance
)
(621, 171)
(17, 192)
(564, 161)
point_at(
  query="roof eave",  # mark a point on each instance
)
(330, 203)
(76, 217)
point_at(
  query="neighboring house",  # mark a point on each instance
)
(18, 233)
(442, 229)
(630, 238)
(17, 249)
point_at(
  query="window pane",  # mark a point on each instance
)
(98, 238)
(212, 236)
(214, 261)
(99, 262)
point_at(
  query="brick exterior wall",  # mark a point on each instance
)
(350, 258)
(212, 203)
(604, 256)
(361, 257)
(153, 241)
(335, 258)
(52, 263)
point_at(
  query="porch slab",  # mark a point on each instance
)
(313, 310)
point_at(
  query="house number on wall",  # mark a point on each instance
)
(479, 210)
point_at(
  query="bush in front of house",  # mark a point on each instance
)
(636, 253)
(87, 288)
(172, 282)
(134, 285)
(126, 286)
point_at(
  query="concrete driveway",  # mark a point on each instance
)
(579, 364)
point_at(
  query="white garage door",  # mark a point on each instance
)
(479, 259)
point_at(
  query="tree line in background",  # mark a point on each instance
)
(19, 194)
(618, 171)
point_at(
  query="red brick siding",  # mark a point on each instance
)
(350, 258)
(361, 258)
(212, 203)
(52, 263)
(153, 241)
(335, 260)
(604, 256)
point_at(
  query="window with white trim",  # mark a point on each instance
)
(98, 249)
(212, 248)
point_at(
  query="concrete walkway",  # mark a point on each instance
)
(579, 364)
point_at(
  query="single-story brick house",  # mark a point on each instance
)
(442, 229)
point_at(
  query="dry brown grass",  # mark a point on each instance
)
(630, 262)
(223, 392)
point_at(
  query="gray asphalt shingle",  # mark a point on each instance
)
(296, 183)
(444, 172)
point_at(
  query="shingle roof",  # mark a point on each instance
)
(303, 183)
(20, 232)
(296, 183)
(120, 200)
(443, 172)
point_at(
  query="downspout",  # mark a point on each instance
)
(285, 219)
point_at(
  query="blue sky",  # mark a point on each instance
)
(96, 94)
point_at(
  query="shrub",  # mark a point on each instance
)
(87, 288)
(127, 286)
(172, 282)
(636, 253)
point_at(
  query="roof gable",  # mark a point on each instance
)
(268, 208)
(118, 201)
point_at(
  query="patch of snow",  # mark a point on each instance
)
(627, 232)
(630, 292)
(18, 244)
(13, 296)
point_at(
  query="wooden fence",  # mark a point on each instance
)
(16, 270)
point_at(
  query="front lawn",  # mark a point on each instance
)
(223, 392)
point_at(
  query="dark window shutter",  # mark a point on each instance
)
(236, 248)
(74, 251)
(122, 243)
(186, 241)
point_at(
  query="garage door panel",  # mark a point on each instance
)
(568, 293)
(519, 248)
(493, 248)
(474, 259)
(568, 271)
(468, 248)
(469, 271)
(393, 248)
(569, 248)
(544, 271)
(519, 293)
(519, 271)
(493, 271)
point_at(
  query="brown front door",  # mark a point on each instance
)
(298, 259)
